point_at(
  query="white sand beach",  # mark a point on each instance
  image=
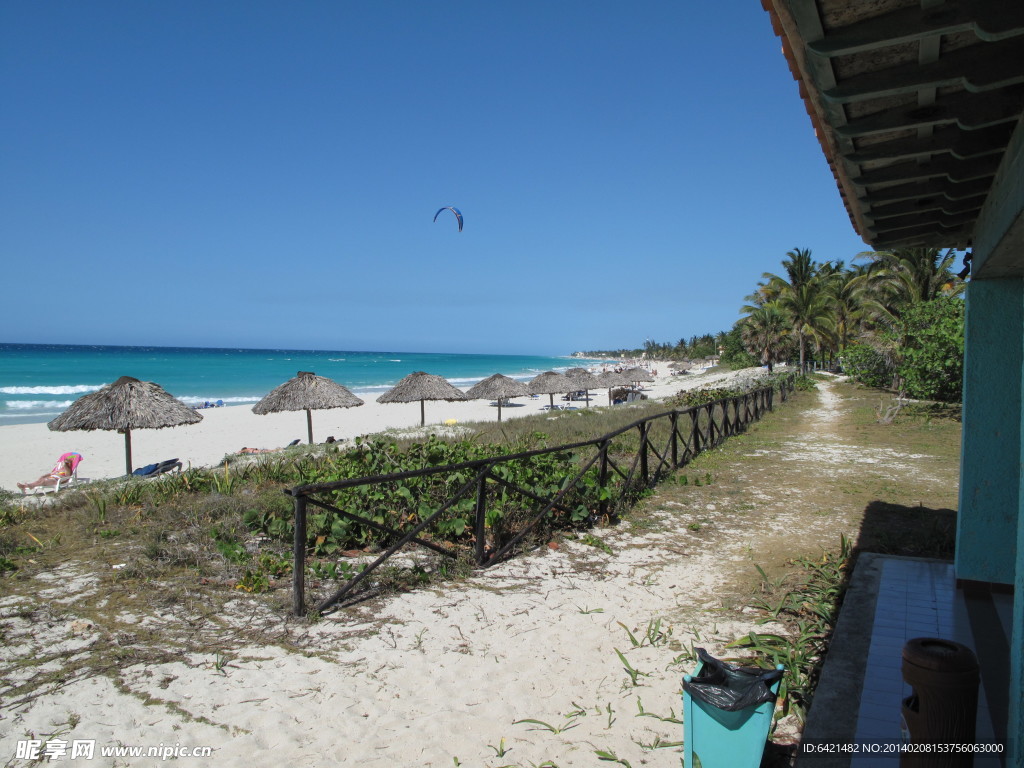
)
(30, 450)
(444, 676)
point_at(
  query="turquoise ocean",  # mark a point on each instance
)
(38, 381)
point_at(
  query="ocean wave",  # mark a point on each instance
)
(26, 405)
(71, 389)
(35, 415)
(195, 399)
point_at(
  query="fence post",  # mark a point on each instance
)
(674, 420)
(643, 454)
(602, 478)
(299, 562)
(480, 529)
(694, 432)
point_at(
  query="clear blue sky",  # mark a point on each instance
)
(265, 174)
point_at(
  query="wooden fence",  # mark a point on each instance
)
(667, 441)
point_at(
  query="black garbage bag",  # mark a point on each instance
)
(730, 687)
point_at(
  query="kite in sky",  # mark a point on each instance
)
(456, 211)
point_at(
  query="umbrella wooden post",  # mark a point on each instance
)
(309, 424)
(299, 560)
(127, 451)
(423, 412)
(499, 409)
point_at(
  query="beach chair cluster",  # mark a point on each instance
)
(208, 404)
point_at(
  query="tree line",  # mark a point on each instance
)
(891, 319)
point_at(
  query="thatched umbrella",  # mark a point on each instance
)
(306, 392)
(582, 379)
(422, 386)
(638, 375)
(549, 383)
(497, 387)
(612, 379)
(125, 405)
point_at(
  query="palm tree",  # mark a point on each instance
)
(846, 287)
(906, 276)
(811, 316)
(801, 294)
(764, 332)
(800, 269)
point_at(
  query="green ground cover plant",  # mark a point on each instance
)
(232, 525)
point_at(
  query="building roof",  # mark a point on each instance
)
(914, 103)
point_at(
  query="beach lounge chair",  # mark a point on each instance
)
(62, 474)
(160, 468)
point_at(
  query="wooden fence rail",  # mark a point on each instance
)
(690, 432)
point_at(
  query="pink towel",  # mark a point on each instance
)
(60, 469)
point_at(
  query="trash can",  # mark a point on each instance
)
(943, 705)
(727, 712)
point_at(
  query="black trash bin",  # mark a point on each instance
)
(943, 705)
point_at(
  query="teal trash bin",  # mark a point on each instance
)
(727, 713)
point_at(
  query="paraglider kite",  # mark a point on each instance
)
(456, 211)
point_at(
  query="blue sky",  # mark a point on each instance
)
(265, 174)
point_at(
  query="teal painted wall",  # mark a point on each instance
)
(1015, 722)
(990, 464)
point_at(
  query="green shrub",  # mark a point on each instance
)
(867, 366)
(932, 364)
(695, 397)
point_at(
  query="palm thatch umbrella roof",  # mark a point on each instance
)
(306, 392)
(125, 405)
(581, 376)
(549, 383)
(612, 379)
(497, 387)
(422, 386)
(638, 374)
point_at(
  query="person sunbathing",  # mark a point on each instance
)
(268, 450)
(62, 470)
